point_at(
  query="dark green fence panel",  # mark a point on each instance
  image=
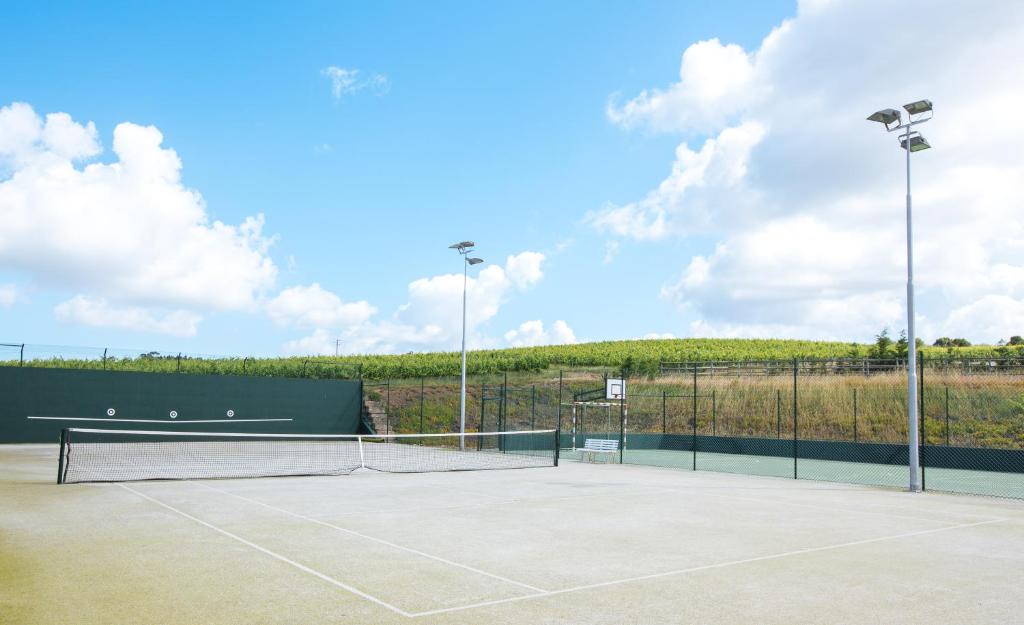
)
(167, 401)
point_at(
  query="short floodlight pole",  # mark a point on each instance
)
(464, 248)
(911, 141)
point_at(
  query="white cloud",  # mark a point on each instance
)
(431, 318)
(98, 312)
(658, 335)
(127, 232)
(715, 81)
(802, 198)
(8, 295)
(991, 318)
(313, 306)
(524, 269)
(530, 333)
(347, 81)
(685, 202)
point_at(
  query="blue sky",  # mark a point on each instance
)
(529, 127)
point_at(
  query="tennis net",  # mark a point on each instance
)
(92, 455)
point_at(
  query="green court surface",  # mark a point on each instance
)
(577, 543)
(992, 483)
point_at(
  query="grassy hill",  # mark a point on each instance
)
(639, 355)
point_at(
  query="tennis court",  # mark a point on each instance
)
(576, 543)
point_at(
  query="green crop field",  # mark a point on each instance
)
(639, 356)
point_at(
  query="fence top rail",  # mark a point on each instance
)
(972, 366)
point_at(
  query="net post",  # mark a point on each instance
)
(558, 443)
(60, 458)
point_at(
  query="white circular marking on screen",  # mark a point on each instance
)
(111, 412)
(231, 413)
(174, 414)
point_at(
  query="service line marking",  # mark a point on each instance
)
(272, 554)
(707, 567)
(155, 420)
(375, 539)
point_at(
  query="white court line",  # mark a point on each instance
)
(836, 508)
(706, 567)
(154, 420)
(850, 488)
(277, 556)
(376, 540)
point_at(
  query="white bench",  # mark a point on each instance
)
(598, 446)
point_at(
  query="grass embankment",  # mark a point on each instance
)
(641, 356)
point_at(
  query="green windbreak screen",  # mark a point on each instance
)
(60, 398)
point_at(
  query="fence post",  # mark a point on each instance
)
(664, 412)
(503, 413)
(423, 383)
(920, 419)
(947, 416)
(714, 414)
(558, 412)
(104, 358)
(778, 413)
(855, 415)
(796, 369)
(693, 444)
(21, 356)
(179, 362)
(387, 407)
(533, 407)
(622, 421)
(483, 405)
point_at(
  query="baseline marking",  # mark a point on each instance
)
(276, 556)
(706, 567)
(376, 540)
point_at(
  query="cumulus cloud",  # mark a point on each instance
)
(686, 200)
(530, 333)
(99, 312)
(658, 336)
(431, 318)
(347, 81)
(126, 233)
(802, 198)
(315, 307)
(715, 81)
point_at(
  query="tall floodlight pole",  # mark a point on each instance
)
(464, 248)
(911, 141)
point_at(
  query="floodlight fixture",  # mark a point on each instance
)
(916, 108)
(910, 140)
(464, 248)
(886, 117)
(917, 143)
